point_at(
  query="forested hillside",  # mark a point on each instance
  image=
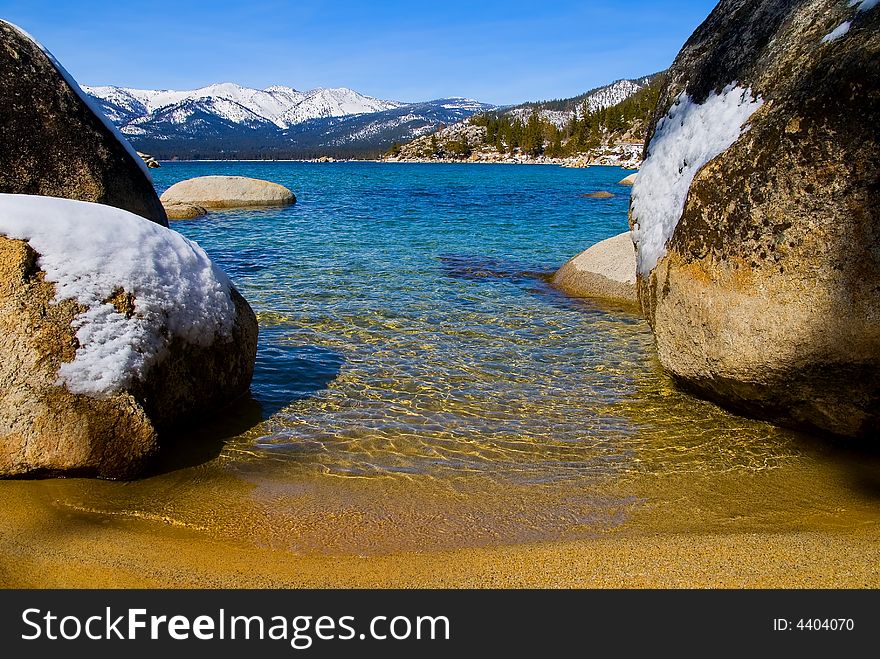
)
(537, 130)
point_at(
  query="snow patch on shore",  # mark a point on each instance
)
(687, 138)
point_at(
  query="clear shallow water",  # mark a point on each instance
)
(406, 326)
(419, 385)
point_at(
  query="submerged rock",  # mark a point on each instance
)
(95, 364)
(184, 211)
(55, 144)
(601, 194)
(756, 214)
(227, 192)
(606, 270)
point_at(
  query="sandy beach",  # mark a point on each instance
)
(804, 524)
(140, 554)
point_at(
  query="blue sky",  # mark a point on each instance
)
(499, 52)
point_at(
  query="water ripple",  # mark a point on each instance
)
(407, 327)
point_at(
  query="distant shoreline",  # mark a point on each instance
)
(395, 162)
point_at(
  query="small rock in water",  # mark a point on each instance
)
(227, 192)
(601, 194)
(184, 211)
(606, 270)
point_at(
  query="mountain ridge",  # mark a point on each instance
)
(281, 105)
(227, 120)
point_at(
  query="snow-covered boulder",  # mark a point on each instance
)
(606, 270)
(112, 330)
(227, 192)
(756, 218)
(54, 142)
(628, 180)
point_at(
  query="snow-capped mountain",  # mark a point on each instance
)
(228, 120)
(397, 125)
(557, 117)
(278, 105)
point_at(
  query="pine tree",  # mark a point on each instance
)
(554, 150)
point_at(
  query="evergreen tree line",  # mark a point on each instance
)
(571, 104)
(584, 131)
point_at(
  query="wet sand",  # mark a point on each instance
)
(140, 556)
(805, 524)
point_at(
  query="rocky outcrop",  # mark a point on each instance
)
(54, 144)
(184, 211)
(465, 142)
(149, 160)
(227, 192)
(606, 270)
(90, 386)
(759, 256)
(600, 194)
(629, 180)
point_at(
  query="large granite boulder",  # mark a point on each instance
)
(227, 192)
(756, 217)
(55, 144)
(108, 338)
(606, 270)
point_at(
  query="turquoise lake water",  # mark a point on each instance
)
(420, 385)
(407, 326)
